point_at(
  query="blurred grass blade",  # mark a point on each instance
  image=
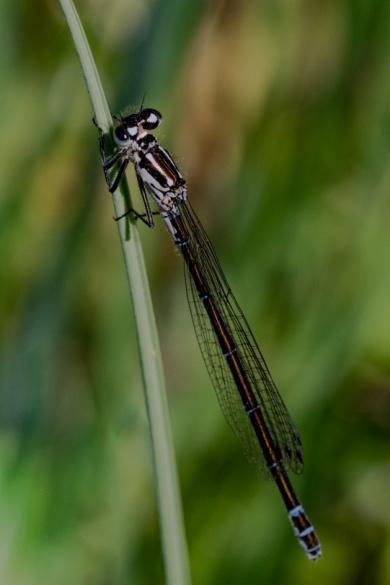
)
(169, 504)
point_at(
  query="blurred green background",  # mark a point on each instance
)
(278, 115)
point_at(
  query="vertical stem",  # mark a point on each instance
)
(167, 486)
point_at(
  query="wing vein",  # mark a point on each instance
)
(281, 427)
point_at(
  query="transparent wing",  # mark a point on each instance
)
(281, 427)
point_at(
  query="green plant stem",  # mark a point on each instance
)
(167, 486)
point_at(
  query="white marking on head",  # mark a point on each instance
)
(132, 130)
(152, 118)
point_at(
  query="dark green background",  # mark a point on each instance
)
(278, 115)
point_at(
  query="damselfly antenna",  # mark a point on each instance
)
(142, 102)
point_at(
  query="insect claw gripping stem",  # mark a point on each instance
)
(136, 215)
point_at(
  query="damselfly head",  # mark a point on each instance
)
(135, 124)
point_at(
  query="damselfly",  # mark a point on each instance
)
(247, 394)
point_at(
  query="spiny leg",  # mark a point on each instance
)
(112, 186)
(148, 212)
(142, 216)
(107, 161)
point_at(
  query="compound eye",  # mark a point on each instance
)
(121, 136)
(150, 118)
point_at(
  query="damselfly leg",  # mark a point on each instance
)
(136, 216)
